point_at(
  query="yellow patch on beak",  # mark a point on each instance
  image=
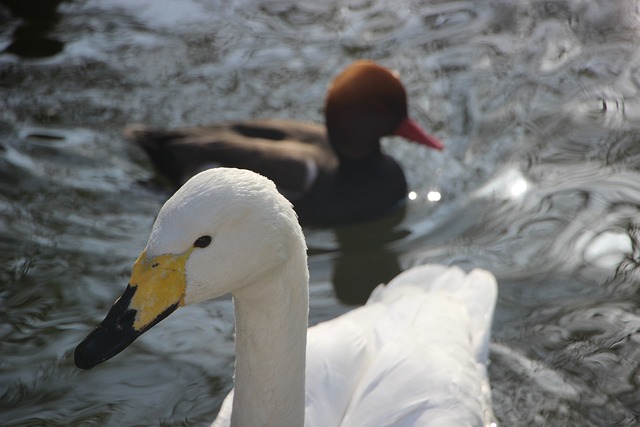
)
(160, 283)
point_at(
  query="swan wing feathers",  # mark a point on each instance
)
(224, 415)
(413, 356)
(338, 354)
(476, 291)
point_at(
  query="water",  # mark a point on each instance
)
(537, 103)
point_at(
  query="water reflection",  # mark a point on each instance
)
(30, 39)
(366, 257)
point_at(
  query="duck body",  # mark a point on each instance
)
(333, 174)
(295, 155)
(414, 355)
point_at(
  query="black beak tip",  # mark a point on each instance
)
(102, 344)
(110, 337)
(81, 359)
(114, 334)
(83, 363)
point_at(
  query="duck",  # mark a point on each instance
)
(414, 355)
(334, 174)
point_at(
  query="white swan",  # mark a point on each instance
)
(414, 355)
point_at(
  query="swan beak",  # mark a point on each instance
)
(156, 289)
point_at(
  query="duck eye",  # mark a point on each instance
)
(202, 242)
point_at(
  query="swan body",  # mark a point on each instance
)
(332, 174)
(414, 355)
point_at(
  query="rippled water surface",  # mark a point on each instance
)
(538, 105)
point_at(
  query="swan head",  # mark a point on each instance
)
(222, 232)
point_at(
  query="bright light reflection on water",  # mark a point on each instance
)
(433, 196)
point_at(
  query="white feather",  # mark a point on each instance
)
(414, 355)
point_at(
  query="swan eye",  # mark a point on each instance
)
(202, 242)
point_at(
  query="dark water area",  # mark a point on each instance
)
(537, 103)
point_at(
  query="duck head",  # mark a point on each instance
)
(364, 103)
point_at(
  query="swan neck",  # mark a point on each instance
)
(271, 331)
